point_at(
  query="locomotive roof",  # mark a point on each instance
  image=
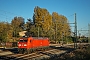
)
(34, 37)
(40, 37)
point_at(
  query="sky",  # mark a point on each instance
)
(25, 8)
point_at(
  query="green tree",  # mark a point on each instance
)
(17, 25)
(30, 28)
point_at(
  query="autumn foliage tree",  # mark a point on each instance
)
(60, 26)
(5, 32)
(42, 20)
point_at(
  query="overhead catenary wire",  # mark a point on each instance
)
(9, 15)
(70, 15)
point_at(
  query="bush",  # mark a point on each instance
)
(78, 54)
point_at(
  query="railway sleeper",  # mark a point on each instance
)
(27, 51)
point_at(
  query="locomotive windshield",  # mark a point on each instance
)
(22, 40)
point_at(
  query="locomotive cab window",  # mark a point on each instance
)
(22, 40)
(25, 40)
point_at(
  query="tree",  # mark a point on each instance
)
(30, 28)
(42, 20)
(60, 26)
(17, 25)
(5, 31)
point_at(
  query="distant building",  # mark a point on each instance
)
(22, 33)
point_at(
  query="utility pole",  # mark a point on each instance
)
(75, 31)
(89, 33)
(38, 31)
(75, 42)
(56, 33)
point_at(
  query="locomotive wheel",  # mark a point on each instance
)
(34, 50)
(20, 51)
(31, 50)
(25, 51)
(28, 51)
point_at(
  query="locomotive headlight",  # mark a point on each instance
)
(19, 45)
(25, 44)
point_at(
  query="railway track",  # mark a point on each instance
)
(33, 56)
(39, 55)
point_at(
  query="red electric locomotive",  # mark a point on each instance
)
(30, 44)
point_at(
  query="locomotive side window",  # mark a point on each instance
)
(30, 41)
